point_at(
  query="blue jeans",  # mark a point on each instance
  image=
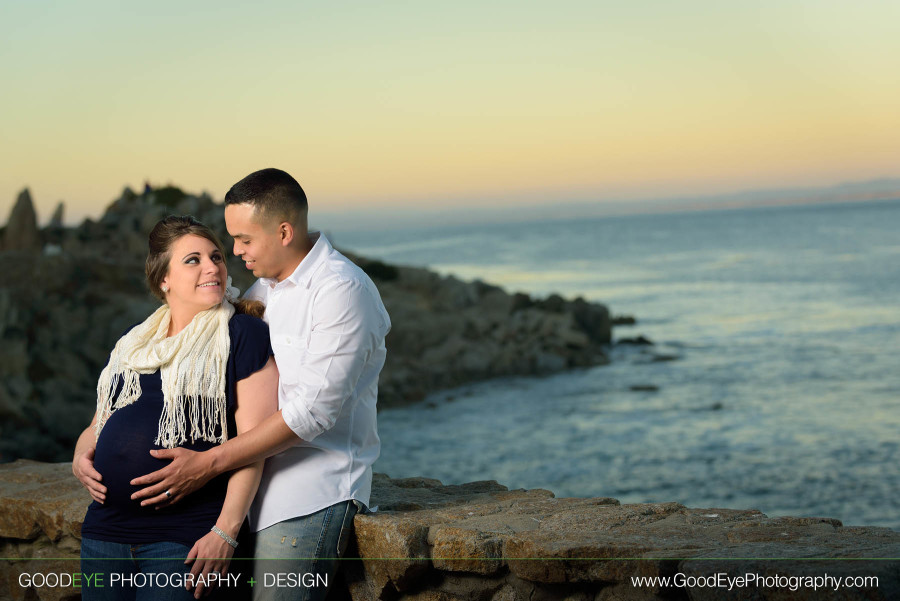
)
(140, 572)
(297, 559)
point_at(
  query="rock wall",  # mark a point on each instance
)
(68, 293)
(480, 541)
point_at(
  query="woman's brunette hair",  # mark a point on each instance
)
(163, 235)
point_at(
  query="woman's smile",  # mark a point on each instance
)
(196, 276)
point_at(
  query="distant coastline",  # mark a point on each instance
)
(70, 292)
(545, 206)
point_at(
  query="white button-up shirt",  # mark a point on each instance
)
(327, 324)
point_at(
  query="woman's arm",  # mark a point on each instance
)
(257, 398)
(83, 463)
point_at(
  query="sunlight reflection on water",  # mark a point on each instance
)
(784, 397)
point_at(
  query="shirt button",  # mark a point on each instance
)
(288, 340)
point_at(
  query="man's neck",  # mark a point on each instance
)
(303, 248)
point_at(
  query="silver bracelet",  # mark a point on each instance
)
(227, 538)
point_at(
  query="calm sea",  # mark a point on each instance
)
(784, 390)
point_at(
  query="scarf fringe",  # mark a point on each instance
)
(192, 367)
(207, 415)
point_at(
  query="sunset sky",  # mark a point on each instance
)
(399, 105)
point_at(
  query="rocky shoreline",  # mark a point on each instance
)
(481, 541)
(68, 293)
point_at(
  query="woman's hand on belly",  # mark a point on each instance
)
(90, 478)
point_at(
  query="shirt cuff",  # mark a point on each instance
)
(299, 419)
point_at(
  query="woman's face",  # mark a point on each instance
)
(197, 275)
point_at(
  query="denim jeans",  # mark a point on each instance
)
(297, 559)
(124, 571)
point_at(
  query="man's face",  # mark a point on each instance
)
(257, 242)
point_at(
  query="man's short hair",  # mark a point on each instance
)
(276, 195)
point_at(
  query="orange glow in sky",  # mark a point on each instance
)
(411, 105)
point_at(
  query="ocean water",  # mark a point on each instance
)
(783, 392)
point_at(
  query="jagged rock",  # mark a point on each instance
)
(554, 303)
(644, 388)
(56, 220)
(447, 332)
(663, 357)
(638, 341)
(521, 301)
(593, 319)
(71, 304)
(21, 232)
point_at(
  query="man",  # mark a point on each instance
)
(327, 325)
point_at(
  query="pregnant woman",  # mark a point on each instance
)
(192, 374)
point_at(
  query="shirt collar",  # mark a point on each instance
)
(302, 275)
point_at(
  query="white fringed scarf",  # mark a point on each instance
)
(192, 365)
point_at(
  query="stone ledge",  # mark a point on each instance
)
(39, 499)
(481, 541)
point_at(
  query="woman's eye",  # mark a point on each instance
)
(217, 258)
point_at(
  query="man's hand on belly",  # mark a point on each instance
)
(188, 471)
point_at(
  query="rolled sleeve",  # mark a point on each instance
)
(299, 419)
(347, 325)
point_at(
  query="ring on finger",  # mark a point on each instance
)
(168, 494)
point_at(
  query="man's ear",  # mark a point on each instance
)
(286, 231)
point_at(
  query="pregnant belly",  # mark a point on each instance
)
(123, 453)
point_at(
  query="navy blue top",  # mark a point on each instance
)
(123, 454)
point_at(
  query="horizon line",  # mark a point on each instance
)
(846, 191)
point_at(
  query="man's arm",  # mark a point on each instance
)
(189, 470)
(348, 326)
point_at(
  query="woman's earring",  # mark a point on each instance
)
(164, 288)
(231, 292)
